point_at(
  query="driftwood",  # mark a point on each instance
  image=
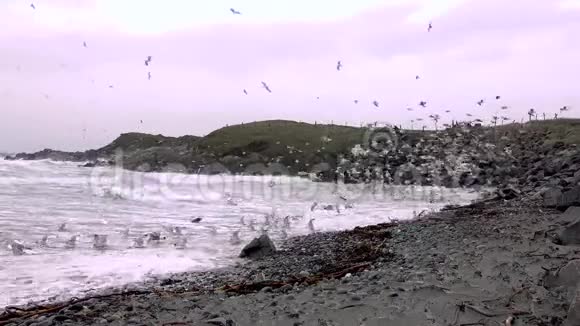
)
(245, 288)
(12, 313)
(485, 313)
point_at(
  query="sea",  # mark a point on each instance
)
(82, 230)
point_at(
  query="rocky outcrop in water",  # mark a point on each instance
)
(49, 154)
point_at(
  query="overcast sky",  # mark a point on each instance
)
(55, 93)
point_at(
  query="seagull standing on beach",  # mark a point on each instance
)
(44, 241)
(313, 206)
(181, 243)
(71, 243)
(266, 87)
(17, 248)
(311, 225)
(100, 241)
(235, 240)
(138, 243)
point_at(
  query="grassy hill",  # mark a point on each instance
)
(295, 145)
(138, 141)
(276, 137)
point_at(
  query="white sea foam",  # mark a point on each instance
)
(38, 196)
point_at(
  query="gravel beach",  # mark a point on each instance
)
(489, 263)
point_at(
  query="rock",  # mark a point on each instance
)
(552, 197)
(570, 235)
(258, 248)
(196, 220)
(509, 192)
(573, 317)
(220, 321)
(571, 215)
(568, 276)
(555, 198)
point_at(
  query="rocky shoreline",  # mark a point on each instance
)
(521, 160)
(494, 262)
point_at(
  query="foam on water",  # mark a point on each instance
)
(36, 197)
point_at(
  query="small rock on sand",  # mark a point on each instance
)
(258, 248)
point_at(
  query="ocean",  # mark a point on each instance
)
(59, 201)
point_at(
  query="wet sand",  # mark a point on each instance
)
(482, 264)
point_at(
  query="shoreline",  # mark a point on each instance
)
(482, 261)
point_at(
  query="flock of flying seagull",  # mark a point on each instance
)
(532, 113)
(271, 221)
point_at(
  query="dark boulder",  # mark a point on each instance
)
(258, 248)
(551, 197)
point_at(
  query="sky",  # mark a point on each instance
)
(55, 93)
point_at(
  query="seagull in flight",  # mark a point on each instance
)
(266, 87)
(417, 77)
(85, 44)
(504, 107)
(375, 103)
(148, 61)
(235, 12)
(430, 27)
(245, 92)
(355, 101)
(497, 97)
(423, 103)
(32, 6)
(480, 102)
(149, 75)
(338, 65)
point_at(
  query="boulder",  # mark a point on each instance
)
(555, 198)
(571, 215)
(570, 235)
(552, 197)
(258, 248)
(573, 315)
(567, 277)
